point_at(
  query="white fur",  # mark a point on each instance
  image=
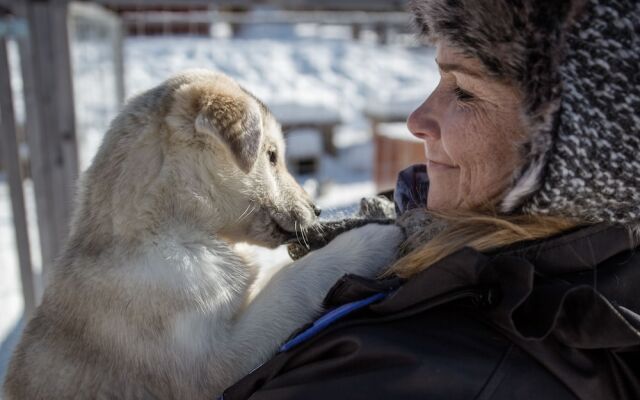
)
(149, 300)
(527, 184)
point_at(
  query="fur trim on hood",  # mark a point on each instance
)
(576, 61)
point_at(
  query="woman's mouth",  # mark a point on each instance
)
(435, 165)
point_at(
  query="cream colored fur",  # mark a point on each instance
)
(148, 300)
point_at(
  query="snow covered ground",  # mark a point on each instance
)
(335, 74)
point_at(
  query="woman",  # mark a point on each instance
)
(528, 289)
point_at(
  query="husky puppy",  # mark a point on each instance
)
(148, 299)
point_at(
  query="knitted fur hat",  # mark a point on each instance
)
(578, 64)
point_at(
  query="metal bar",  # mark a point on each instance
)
(12, 159)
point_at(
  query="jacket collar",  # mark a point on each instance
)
(533, 287)
(580, 250)
(577, 251)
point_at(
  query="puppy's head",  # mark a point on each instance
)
(233, 150)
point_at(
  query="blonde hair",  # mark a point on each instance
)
(480, 231)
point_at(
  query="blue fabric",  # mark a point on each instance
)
(329, 318)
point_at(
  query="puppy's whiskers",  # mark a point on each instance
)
(304, 238)
(254, 209)
(318, 228)
(295, 228)
(242, 216)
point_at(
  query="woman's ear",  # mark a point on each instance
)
(237, 123)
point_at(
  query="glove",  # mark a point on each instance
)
(378, 210)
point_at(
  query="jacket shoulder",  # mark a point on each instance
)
(442, 353)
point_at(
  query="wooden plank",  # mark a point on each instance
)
(2, 162)
(39, 142)
(365, 5)
(50, 121)
(368, 5)
(12, 160)
(63, 108)
(378, 19)
(5, 6)
(39, 158)
(161, 3)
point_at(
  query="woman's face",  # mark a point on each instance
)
(471, 129)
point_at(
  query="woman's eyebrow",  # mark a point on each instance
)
(450, 67)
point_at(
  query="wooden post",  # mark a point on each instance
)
(356, 32)
(383, 33)
(9, 141)
(327, 139)
(50, 122)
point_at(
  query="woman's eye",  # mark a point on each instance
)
(462, 95)
(273, 157)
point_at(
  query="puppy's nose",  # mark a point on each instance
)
(316, 210)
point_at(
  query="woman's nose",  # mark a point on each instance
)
(422, 122)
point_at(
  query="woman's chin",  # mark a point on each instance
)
(440, 196)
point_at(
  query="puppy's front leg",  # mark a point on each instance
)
(293, 297)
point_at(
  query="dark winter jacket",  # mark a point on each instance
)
(555, 319)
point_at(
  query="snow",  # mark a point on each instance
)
(392, 108)
(331, 79)
(10, 282)
(397, 131)
(303, 143)
(289, 113)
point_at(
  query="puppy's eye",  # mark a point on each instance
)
(273, 157)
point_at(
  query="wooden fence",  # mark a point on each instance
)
(50, 129)
(11, 163)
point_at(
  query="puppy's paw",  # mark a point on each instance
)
(377, 207)
(368, 250)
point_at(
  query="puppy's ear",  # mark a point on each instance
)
(237, 122)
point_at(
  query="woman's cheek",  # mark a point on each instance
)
(458, 140)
